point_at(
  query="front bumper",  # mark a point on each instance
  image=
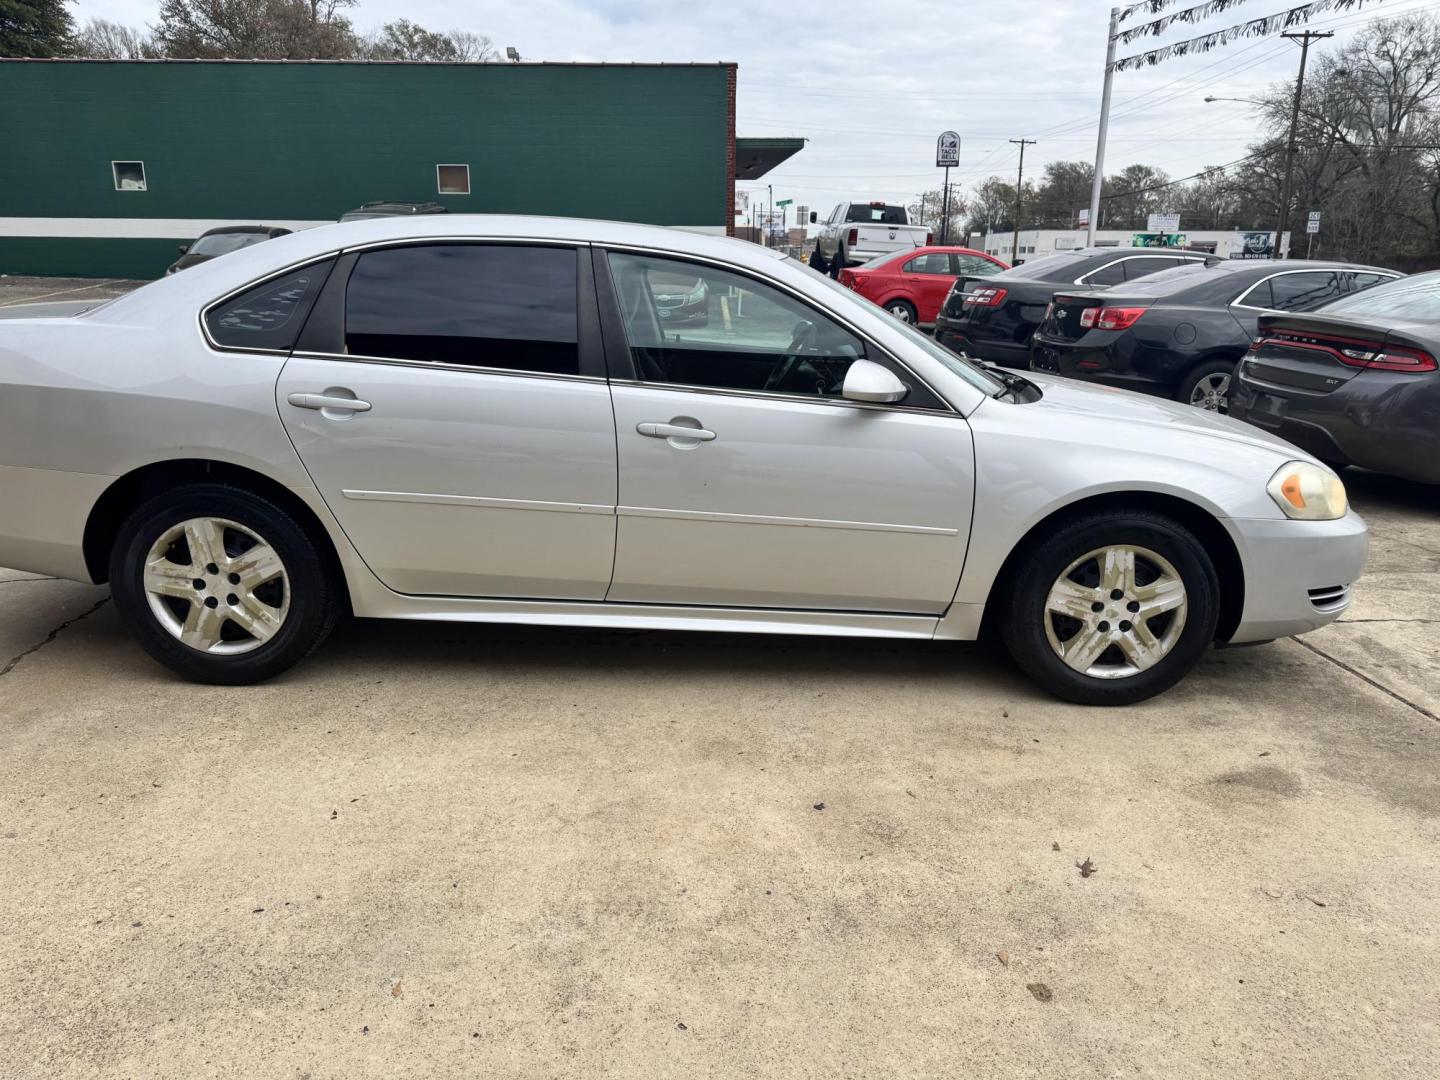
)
(1298, 574)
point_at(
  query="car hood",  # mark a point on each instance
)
(1069, 396)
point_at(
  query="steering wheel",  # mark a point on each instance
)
(801, 339)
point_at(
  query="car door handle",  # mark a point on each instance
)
(655, 430)
(328, 401)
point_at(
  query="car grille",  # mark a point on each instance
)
(1330, 598)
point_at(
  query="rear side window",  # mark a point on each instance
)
(1106, 275)
(1295, 292)
(1365, 280)
(269, 316)
(481, 305)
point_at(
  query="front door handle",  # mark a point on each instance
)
(655, 430)
(328, 401)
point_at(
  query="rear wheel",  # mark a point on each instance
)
(220, 585)
(1208, 386)
(903, 310)
(1112, 608)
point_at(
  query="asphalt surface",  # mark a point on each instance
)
(20, 289)
(449, 851)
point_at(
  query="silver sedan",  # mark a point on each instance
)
(504, 419)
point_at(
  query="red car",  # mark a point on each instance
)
(912, 284)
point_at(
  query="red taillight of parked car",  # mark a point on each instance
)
(988, 297)
(929, 238)
(1370, 355)
(854, 237)
(1110, 318)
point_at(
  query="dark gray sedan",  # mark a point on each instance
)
(1355, 383)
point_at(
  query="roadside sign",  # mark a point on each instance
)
(1084, 216)
(1163, 223)
(784, 202)
(1313, 225)
(947, 150)
(742, 203)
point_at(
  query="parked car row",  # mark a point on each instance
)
(911, 285)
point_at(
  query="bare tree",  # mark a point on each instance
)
(476, 48)
(101, 39)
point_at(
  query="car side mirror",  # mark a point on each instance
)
(868, 381)
(814, 217)
(184, 248)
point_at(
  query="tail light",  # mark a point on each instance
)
(987, 297)
(929, 238)
(1369, 355)
(854, 237)
(1110, 318)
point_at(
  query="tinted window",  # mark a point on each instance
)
(1138, 268)
(935, 263)
(223, 243)
(485, 305)
(1106, 275)
(974, 266)
(1367, 280)
(269, 316)
(859, 213)
(1415, 297)
(750, 336)
(1300, 292)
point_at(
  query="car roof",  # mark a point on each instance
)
(237, 229)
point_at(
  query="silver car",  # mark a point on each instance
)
(489, 419)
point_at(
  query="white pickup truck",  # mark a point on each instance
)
(858, 232)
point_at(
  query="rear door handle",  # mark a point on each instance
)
(328, 401)
(655, 430)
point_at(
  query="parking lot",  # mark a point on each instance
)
(464, 851)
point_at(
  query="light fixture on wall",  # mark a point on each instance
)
(512, 53)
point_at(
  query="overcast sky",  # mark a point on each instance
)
(872, 84)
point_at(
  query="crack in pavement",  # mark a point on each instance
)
(25, 580)
(1347, 622)
(1366, 678)
(15, 660)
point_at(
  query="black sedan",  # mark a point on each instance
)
(1354, 384)
(227, 238)
(1180, 333)
(994, 318)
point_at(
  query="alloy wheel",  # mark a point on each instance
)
(1212, 392)
(216, 586)
(1116, 611)
(901, 312)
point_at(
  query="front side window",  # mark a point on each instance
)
(749, 336)
(974, 266)
(481, 305)
(1112, 274)
(269, 316)
(1144, 267)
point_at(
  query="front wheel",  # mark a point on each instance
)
(817, 260)
(220, 585)
(1112, 608)
(838, 263)
(1208, 386)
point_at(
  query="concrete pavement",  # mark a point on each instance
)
(446, 851)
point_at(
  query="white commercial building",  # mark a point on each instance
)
(1037, 243)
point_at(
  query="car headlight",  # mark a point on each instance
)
(1308, 492)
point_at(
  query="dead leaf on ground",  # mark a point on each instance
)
(1087, 867)
(397, 990)
(1003, 957)
(1040, 991)
(1054, 845)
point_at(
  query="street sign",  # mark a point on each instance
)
(1313, 225)
(1084, 216)
(1163, 223)
(784, 202)
(947, 150)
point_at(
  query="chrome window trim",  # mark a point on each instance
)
(1084, 278)
(440, 365)
(808, 399)
(802, 298)
(1237, 302)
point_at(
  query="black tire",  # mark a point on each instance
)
(1024, 617)
(1200, 373)
(837, 264)
(307, 587)
(895, 307)
(817, 261)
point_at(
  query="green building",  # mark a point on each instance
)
(107, 166)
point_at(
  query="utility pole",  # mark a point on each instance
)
(769, 212)
(1019, 199)
(1099, 180)
(1304, 38)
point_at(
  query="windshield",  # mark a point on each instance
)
(862, 214)
(1415, 297)
(968, 370)
(224, 243)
